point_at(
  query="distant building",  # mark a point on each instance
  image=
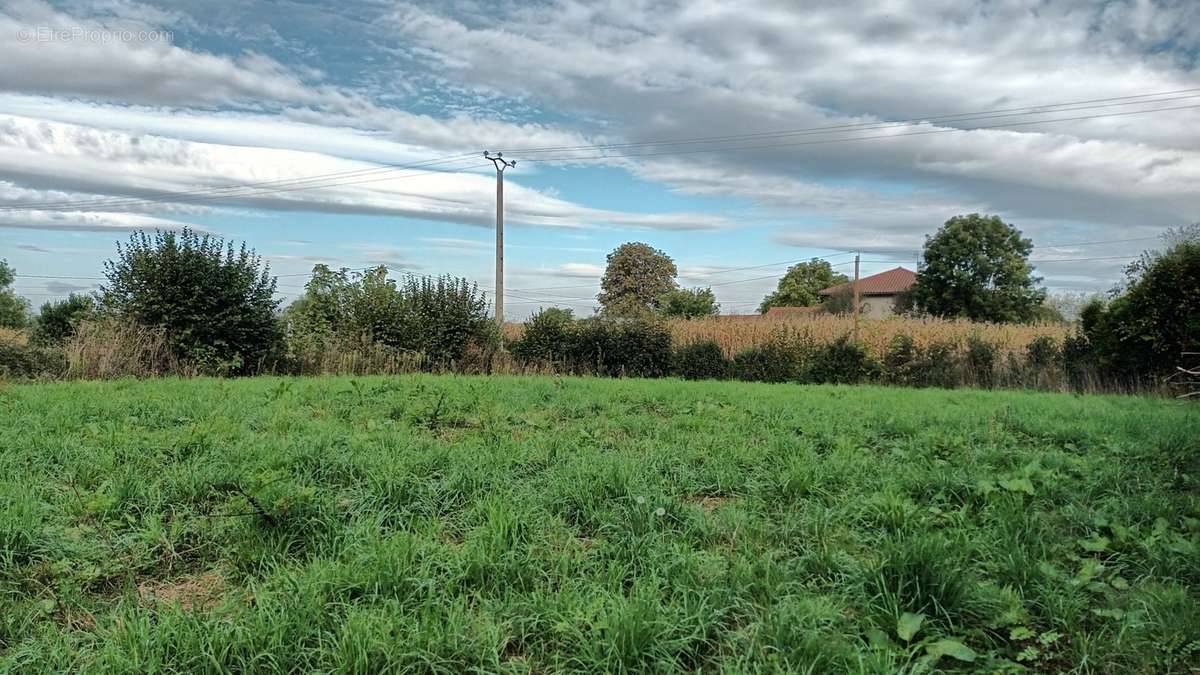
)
(878, 292)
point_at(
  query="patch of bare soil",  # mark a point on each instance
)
(710, 504)
(199, 591)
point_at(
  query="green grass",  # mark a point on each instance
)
(451, 524)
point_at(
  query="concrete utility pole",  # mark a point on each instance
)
(856, 307)
(501, 164)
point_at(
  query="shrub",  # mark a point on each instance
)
(899, 364)
(938, 366)
(14, 311)
(842, 362)
(57, 320)
(1143, 332)
(780, 359)
(443, 317)
(633, 348)
(1042, 353)
(437, 320)
(26, 361)
(701, 361)
(639, 349)
(981, 360)
(546, 337)
(215, 303)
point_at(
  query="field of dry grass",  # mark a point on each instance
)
(737, 332)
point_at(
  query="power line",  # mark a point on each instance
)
(1049, 108)
(854, 138)
(285, 182)
(184, 197)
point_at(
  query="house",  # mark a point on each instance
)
(878, 292)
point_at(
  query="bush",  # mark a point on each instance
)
(27, 362)
(1143, 332)
(981, 361)
(216, 303)
(1041, 353)
(899, 364)
(14, 311)
(437, 321)
(780, 359)
(938, 366)
(842, 362)
(631, 348)
(546, 338)
(58, 320)
(443, 317)
(701, 361)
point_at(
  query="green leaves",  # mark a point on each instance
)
(908, 625)
(1023, 485)
(977, 267)
(952, 648)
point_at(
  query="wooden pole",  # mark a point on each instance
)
(500, 247)
(856, 306)
(501, 164)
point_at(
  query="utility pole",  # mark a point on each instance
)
(501, 164)
(856, 307)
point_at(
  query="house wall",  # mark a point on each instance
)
(878, 306)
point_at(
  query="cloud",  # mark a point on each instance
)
(660, 70)
(66, 289)
(85, 221)
(66, 158)
(46, 51)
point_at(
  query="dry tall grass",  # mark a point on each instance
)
(736, 333)
(13, 336)
(108, 349)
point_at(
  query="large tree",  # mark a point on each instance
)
(14, 311)
(799, 285)
(636, 279)
(977, 267)
(215, 302)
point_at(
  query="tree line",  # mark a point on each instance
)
(215, 302)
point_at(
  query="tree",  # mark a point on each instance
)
(689, 303)
(14, 311)
(977, 267)
(1145, 330)
(216, 303)
(635, 279)
(799, 285)
(58, 320)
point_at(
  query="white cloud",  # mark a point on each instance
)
(76, 159)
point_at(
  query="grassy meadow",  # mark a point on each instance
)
(506, 524)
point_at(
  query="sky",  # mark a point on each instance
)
(737, 137)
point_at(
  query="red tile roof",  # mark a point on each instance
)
(890, 282)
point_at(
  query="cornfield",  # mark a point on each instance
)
(736, 333)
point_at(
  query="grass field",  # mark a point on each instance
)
(459, 524)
